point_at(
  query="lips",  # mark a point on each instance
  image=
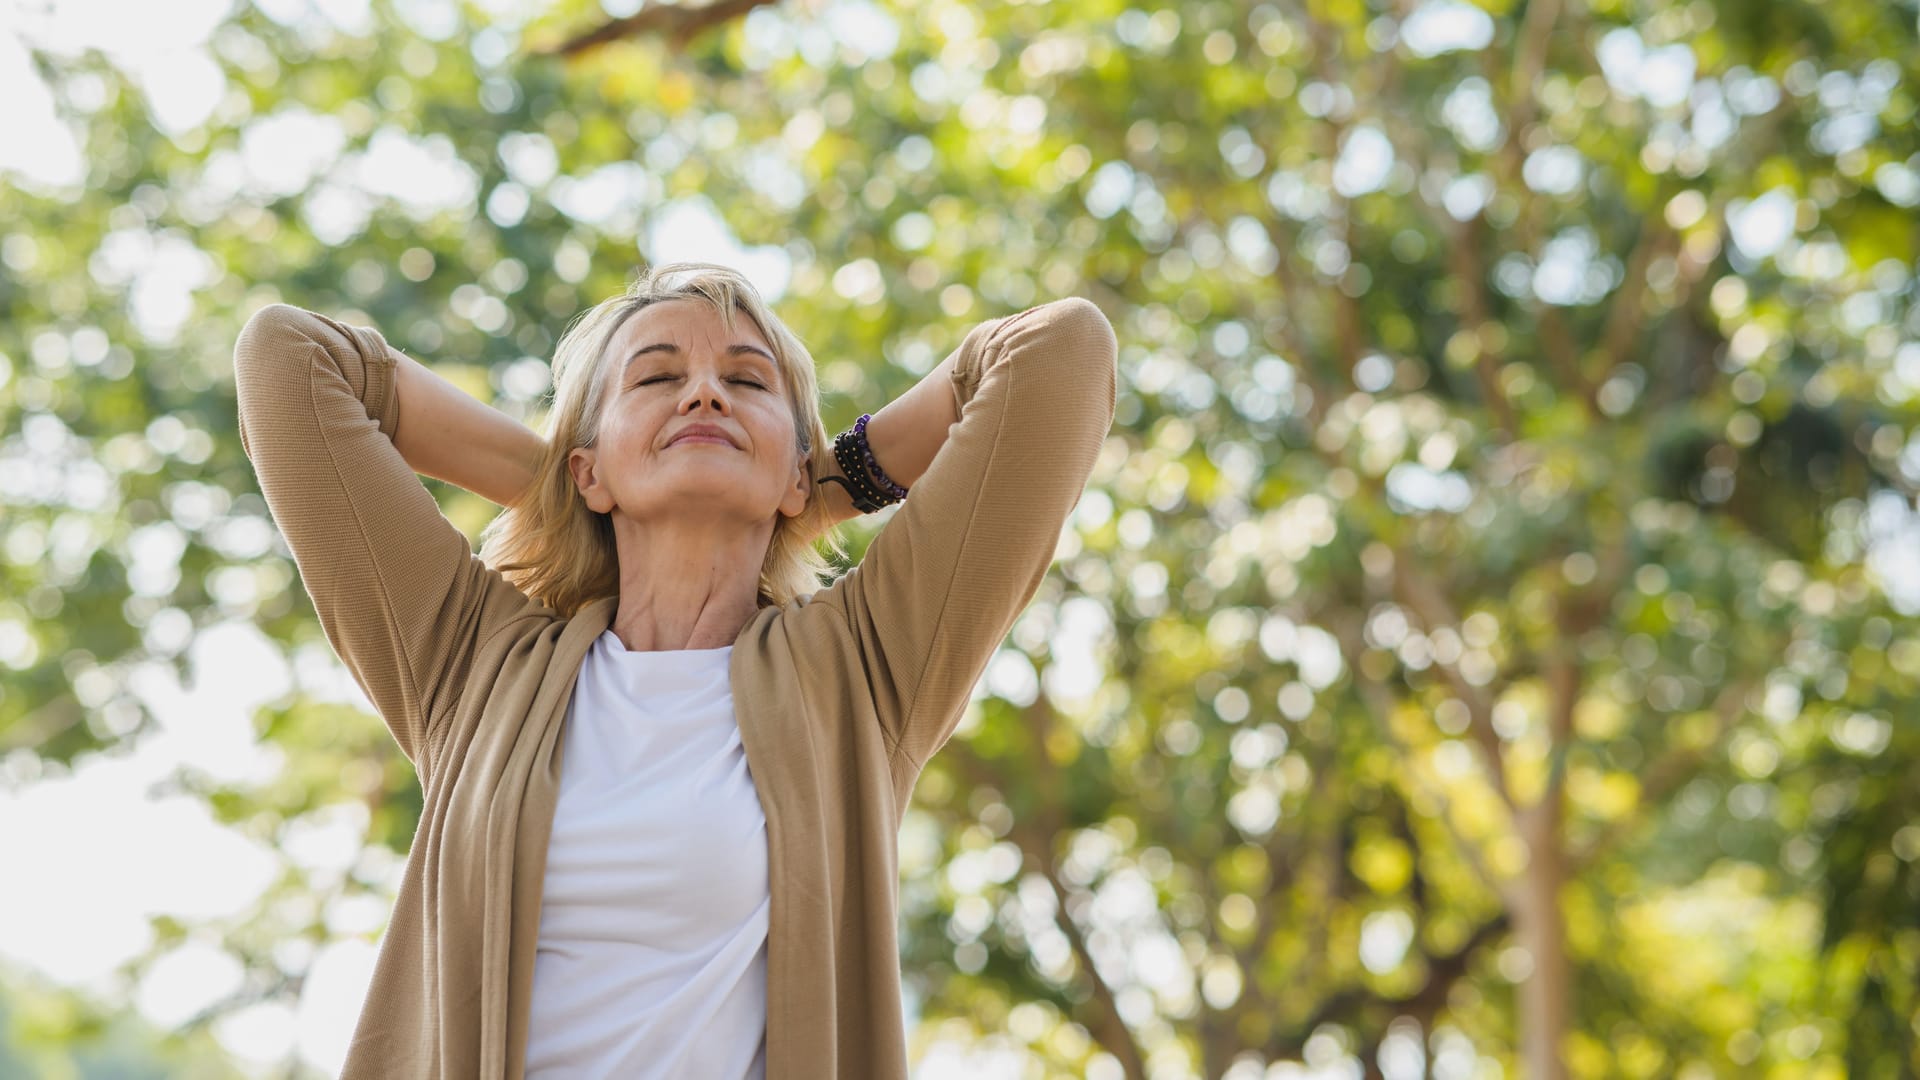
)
(701, 433)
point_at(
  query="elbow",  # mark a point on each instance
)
(1087, 337)
(265, 336)
(1079, 314)
(1081, 319)
(269, 363)
(275, 319)
(280, 342)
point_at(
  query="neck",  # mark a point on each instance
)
(687, 582)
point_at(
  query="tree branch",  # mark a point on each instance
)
(1426, 600)
(1564, 678)
(1426, 1003)
(1111, 1030)
(1555, 339)
(1468, 267)
(1626, 319)
(1380, 704)
(678, 24)
(1293, 291)
(1530, 57)
(1349, 323)
(1664, 777)
(1469, 270)
(1036, 845)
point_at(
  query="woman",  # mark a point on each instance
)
(663, 768)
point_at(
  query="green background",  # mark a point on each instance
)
(1486, 646)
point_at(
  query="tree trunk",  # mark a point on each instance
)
(1546, 995)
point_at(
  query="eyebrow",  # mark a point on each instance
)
(737, 349)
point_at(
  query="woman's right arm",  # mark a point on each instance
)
(449, 435)
(399, 593)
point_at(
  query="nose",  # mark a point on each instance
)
(705, 389)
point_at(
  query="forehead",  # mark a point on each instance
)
(686, 323)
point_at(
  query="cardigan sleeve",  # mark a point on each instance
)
(400, 596)
(943, 582)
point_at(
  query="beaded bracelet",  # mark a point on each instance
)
(867, 484)
(873, 466)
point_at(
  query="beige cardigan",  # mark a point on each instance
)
(841, 696)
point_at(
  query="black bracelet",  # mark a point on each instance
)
(873, 465)
(870, 488)
(867, 496)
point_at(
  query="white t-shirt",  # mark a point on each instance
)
(652, 957)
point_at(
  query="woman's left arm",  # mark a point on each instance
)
(938, 590)
(905, 435)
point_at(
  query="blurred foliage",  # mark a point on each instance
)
(35, 1015)
(1480, 637)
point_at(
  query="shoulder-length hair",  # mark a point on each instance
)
(555, 549)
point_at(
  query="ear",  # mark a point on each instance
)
(583, 465)
(794, 499)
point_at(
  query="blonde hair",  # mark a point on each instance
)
(555, 549)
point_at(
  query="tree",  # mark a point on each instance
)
(1486, 577)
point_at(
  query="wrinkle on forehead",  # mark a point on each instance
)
(632, 337)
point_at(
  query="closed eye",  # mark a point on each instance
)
(756, 383)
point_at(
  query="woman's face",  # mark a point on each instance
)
(672, 369)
